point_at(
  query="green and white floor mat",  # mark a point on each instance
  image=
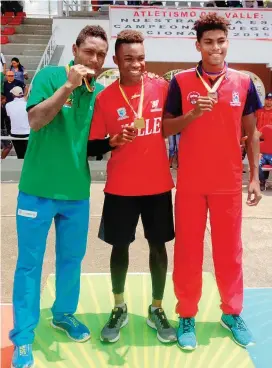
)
(138, 346)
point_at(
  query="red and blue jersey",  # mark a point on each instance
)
(264, 117)
(209, 150)
(266, 144)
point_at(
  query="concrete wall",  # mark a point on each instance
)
(163, 50)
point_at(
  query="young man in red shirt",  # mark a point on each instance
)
(138, 182)
(207, 104)
(266, 153)
(264, 115)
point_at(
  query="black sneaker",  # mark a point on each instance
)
(117, 320)
(159, 321)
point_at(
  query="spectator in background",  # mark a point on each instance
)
(252, 4)
(221, 4)
(10, 83)
(11, 6)
(173, 148)
(264, 115)
(20, 72)
(6, 145)
(235, 4)
(155, 3)
(2, 69)
(266, 153)
(20, 128)
(210, 4)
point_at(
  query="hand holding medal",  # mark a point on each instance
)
(127, 135)
(77, 73)
(203, 104)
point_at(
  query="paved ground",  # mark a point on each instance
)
(257, 239)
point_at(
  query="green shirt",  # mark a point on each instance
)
(55, 164)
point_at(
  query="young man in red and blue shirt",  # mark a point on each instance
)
(207, 104)
(264, 115)
(266, 154)
(138, 182)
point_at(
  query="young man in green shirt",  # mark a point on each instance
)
(55, 184)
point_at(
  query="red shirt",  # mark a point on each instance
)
(266, 144)
(264, 117)
(209, 148)
(141, 167)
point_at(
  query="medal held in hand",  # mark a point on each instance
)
(90, 72)
(139, 121)
(212, 91)
(213, 95)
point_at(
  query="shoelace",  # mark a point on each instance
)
(23, 350)
(73, 320)
(239, 323)
(188, 325)
(162, 318)
(115, 317)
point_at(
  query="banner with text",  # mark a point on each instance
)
(156, 22)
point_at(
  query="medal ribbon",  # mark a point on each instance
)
(139, 113)
(87, 83)
(215, 87)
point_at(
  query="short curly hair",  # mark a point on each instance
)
(91, 31)
(128, 36)
(210, 22)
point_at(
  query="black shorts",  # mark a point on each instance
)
(121, 215)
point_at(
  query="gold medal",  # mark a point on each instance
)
(139, 123)
(88, 85)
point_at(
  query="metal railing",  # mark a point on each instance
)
(88, 6)
(46, 57)
(48, 52)
(11, 138)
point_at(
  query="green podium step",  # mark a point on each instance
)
(138, 346)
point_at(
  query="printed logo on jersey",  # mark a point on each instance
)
(235, 99)
(122, 113)
(154, 106)
(192, 97)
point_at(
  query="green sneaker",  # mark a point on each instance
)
(117, 320)
(158, 321)
(240, 332)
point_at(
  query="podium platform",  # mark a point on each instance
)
(138, 346)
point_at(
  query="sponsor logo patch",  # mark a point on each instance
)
(235, 99)
(122, 113)
(154, 106)
(25, 213)
(192, 97)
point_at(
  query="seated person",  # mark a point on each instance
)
(10, 83)
(266, 153)
(264, 115)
